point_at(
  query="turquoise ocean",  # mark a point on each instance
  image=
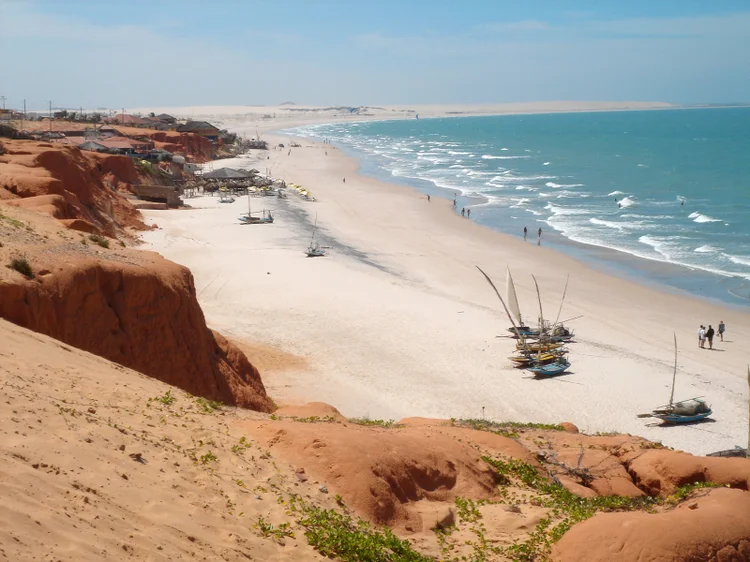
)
(663, 196)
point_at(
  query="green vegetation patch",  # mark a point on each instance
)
(506, 429)
(566, 508)
(208, 406)
(22, 266)
(336, 535)
(100, 240)
(381, 423)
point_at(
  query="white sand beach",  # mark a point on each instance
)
(396, 321)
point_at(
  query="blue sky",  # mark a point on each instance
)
(328, 52)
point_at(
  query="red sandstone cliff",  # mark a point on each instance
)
(131, 307)
(69, 185)
(198, 148)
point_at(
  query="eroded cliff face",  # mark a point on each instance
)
(131, 307)
(198, 148)
(80, 185)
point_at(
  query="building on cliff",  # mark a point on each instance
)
(127, 119)
(167, 118)
(201, 128)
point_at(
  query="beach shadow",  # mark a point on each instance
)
(561, 377)
(663, 424)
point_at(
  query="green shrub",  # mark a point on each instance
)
(22, 266)
(101, 240)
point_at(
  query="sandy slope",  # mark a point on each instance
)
(397, 321)
(70, 425)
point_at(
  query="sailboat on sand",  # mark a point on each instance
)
(265, 218)
(685, 411)
(315, 250)
(542, 368)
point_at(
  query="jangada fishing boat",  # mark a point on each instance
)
(265, 218)
(557, 367)
(314, 250)
(685, 411)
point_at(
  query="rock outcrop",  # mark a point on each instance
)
(198, 148)
(131, 307)
(388, 475)
(714, 527)
(661, 472)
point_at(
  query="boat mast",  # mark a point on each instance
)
(541, 314)
(565, 292)
(674, 375)
(541, 318)
(312, 238)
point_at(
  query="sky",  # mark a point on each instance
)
(137, 53)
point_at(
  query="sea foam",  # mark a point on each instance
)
(698, 217)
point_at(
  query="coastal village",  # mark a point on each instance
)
(131, 429)
(166, 152)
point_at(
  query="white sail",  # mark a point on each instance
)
(512, 299)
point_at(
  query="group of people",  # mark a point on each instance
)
(538, 233)
(464, 211)
(708, 335)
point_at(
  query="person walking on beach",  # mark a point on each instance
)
(463, 212)
(539, 235)
(468, 213)
(428, 198)
(525, 232)
(701, 336)
(454, 201)
(710, 336)
(344, 180)
(722, 329)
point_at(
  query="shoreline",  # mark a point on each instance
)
(396, 321)
(668, 277)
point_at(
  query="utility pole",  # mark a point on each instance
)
(50, 116)
(23, 115)
(3, 98)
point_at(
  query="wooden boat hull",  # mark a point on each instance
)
(522, 360)
(676, 418)
(550, 370)
(736, 452)
(255, 220)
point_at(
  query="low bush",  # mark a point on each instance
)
(22, 266)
